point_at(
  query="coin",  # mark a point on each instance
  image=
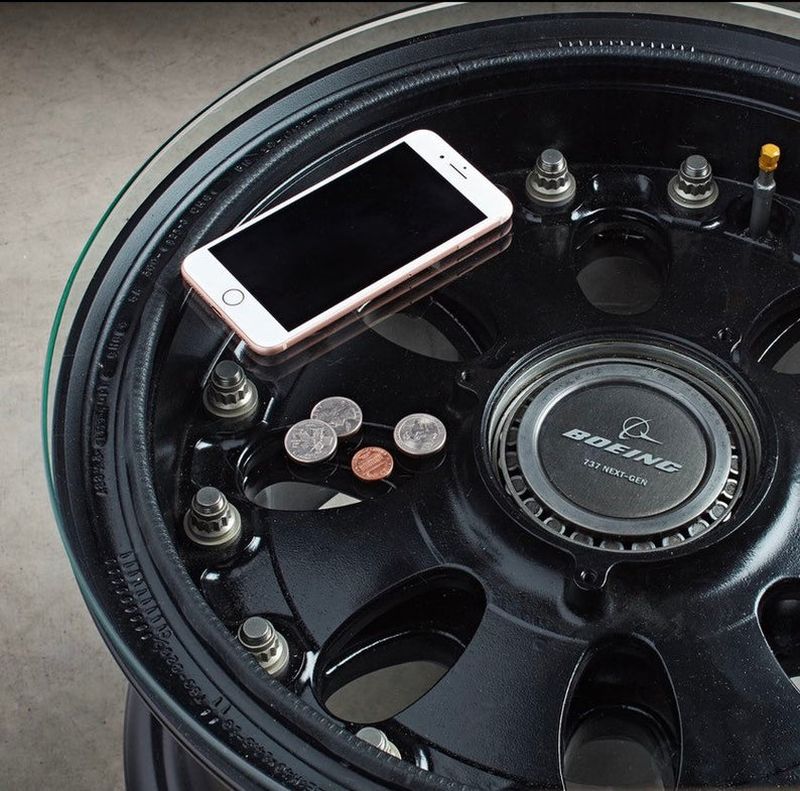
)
(342, 413)
(310, 442)
(420, 434)
(372, 464)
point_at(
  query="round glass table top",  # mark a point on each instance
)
(485, 369)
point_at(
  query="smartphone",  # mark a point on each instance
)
(302, 265)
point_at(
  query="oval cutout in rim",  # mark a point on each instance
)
(433, 329)
(622, 264)
(302, 496)
(617, 749)
(417, 335)
(778, 346)
(779, 618)
(382, 693)
(400, 645)
(621, 726)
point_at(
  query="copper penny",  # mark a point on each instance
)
(372, 464)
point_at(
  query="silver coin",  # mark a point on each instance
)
(310, 442)
(342, 413)
(420, 434)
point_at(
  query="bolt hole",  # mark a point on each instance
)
(588, 577)
(727, 335)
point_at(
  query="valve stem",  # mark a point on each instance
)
(764, 190)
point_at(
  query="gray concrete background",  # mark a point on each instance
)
(87, 92)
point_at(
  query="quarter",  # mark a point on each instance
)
(310, 442)
(342, 413)
(420, 434)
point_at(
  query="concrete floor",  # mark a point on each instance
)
(87, 92)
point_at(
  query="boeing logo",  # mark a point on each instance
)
(637, 428)
(630, 428)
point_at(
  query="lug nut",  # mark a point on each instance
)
(377, 738)
(212, 521)
(693, 187)
(229, 392)
(550, 183)
(266, 644)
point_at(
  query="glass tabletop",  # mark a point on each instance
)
(241, 109)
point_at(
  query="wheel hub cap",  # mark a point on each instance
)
(616, 453)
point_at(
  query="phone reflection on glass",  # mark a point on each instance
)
(381, 314)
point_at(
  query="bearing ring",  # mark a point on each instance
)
(575, 457)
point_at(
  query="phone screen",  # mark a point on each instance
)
(344, 236)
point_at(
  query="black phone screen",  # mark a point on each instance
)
(340, 238)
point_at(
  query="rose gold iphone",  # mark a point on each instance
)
(307, 262)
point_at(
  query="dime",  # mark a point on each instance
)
(310, 442)
(342, 413)
(372, 464)
(420, 434)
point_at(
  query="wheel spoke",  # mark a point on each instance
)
(334, 561)
(740, 292)
(740, 714)
(244, 589)
(500, 704)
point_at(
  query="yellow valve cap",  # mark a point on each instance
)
(770, 154)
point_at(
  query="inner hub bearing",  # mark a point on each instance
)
(622, 451)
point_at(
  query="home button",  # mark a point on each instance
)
(233, 296)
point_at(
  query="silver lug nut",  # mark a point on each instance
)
(266, 644)
(377, 738)
(229, 393)
(693, 187)
(550, 183)
(212, 521)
